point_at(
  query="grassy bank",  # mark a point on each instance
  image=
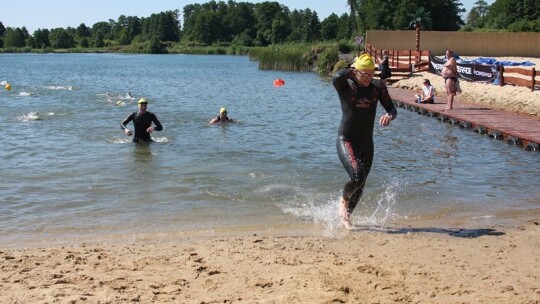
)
(321, 57)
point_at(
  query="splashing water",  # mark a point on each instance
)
(326, 212)
(384, 210)
(59, 87)
(29, 117)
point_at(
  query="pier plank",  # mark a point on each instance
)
(510, 124)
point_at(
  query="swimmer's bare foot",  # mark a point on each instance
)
(344, 214)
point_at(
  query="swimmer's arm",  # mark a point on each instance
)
(126, 121)
(388, 105)
(157, 123)
(340, 79)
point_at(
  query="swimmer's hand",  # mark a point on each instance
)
(150, 129)
(128, 132)
(385, 120)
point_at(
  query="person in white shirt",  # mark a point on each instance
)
(428, 93)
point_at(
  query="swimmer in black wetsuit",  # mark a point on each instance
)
(142, 121)
(222, 117)
(358, 94)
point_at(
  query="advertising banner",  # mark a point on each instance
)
(469, 71)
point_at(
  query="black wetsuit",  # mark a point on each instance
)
(355, 135)
(141, 122)
(225, 119)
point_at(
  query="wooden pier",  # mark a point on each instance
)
(516, 129)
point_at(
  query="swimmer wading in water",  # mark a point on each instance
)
(142, 122)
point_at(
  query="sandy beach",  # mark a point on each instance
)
(395, 265)
(402, 265)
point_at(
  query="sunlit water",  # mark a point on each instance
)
(70, 174)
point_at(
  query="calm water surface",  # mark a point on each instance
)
(72, 175)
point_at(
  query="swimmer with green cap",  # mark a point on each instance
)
(358, 94)
(222, 118)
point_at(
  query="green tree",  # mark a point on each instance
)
(355, 7)
(133, 27)
(419, 17)
(190, 13)
(502, 13)
(305, 26)
(281, 29)
(61, 39)
(378, 14)
(240, 20)
(14, 38)
(100, 31)
(125, 29)
(265, 14)
(330, 27)
(477, 15)
(165, 26)
(345, 31)
(99, 39)
(2, 30)
(84, 42)
(41, 38)
(525, 26)
(206, 28)
(155, 46)
(83, 31)
(244, 38)
(444, 14)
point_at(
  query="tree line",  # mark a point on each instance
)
(267, 23)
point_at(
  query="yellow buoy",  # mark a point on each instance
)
(8, 87)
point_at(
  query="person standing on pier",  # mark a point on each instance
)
(384, 67)
(449, 73)
(358, 94)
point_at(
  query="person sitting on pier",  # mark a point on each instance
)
(427, 95)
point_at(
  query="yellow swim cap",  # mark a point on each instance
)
(364, 62)
(222, 110)
(8, 87)
(142, 100)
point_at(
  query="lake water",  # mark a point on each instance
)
(72, 175)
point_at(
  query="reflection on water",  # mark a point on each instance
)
(143, 152)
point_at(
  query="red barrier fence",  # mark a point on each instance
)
(403, 63)
(517, 80)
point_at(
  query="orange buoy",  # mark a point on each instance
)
(279, 82)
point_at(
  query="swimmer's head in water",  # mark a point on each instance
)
(364, 62)
(223, 110)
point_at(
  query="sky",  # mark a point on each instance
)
(49, 14)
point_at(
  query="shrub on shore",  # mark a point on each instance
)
(298, 57)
